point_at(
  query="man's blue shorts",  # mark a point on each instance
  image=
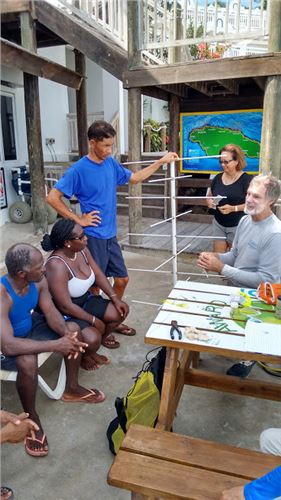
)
(108, 256)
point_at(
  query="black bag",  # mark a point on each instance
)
(142, 402)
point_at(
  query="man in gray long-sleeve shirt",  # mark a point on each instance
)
(255, 255)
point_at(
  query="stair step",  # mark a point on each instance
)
(147, 211)
(159, 202)
(156, 188)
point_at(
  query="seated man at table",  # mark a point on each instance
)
(255, 255)
(24, 334)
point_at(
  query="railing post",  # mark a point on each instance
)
(163, 133)
(147, 139)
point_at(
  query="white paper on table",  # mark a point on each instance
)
(264, 338)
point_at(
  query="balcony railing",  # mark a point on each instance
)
(172, 30)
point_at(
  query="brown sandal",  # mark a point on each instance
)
(110, 342)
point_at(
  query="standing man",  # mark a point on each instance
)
(25, 333)
(94, 180)
(255, 255)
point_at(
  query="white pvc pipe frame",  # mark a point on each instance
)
(173, 218)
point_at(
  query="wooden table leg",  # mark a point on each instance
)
(195, 359)
(168, 389)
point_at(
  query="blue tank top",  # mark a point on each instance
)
(20, 312)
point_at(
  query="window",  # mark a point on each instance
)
(8, 128)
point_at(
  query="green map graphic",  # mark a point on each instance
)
(204, 134)
(212, 138)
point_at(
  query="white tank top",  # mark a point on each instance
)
(77, 286)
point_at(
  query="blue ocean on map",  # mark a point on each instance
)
(249, 123)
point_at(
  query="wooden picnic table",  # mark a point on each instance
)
(207, 308)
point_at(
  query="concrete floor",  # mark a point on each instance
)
(79, 458)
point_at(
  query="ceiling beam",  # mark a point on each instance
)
(16, 56)
(208, 70)
(12, 6)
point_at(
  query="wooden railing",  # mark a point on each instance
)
(172, 31)
(109, 15)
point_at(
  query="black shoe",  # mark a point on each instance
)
(241, 369)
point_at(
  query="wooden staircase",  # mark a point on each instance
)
(84, 35)
(155, 208)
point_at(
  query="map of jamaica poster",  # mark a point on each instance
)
(204, 134)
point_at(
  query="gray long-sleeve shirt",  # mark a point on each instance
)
(256, 253)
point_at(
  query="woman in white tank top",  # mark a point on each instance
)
(71, 272)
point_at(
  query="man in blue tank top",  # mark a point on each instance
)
(25, 333)
(94, 180)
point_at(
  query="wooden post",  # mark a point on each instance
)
(135, 206)
(163, 133)
(135, 10)
(147, 139)
(81, 105)
(270, 154)
(174, 109)
(33, 129)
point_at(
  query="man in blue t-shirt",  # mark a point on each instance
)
(267, 487)
(94, 180)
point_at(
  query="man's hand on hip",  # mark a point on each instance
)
(90, 219)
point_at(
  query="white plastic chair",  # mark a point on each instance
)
(55, 393)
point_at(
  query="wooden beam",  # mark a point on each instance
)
(235, 385)
(14, 55)
(92, 42)
(8, 6)
(33, 131)
(81, 105)
(135, 206)
(202, 71)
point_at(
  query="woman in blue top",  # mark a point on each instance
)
(232, 183)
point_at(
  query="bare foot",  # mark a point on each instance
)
(92, 362)
(100, 359)
(89, 363)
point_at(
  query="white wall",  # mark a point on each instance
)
(54, 108)
(155, 109)
(14, 80)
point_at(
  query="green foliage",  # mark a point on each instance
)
(190, 34)
(155, 137)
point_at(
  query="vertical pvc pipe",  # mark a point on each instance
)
(174, 221)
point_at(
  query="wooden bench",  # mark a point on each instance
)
(55, 393)
(155, 464)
